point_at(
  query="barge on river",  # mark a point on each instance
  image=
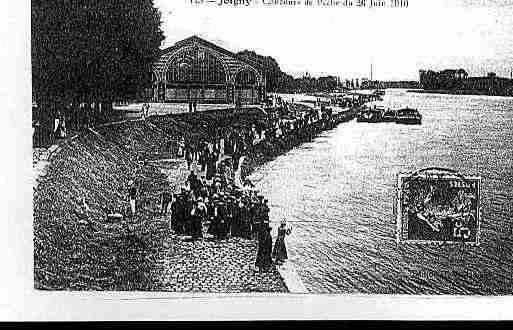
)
(408, 116)
(371, 115)
(390, 116)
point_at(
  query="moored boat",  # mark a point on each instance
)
(371, 115)
(389, 115)
(408, 116)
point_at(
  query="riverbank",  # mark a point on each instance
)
(79, 249)
(269, 150)
(76, 247)
(454, 92)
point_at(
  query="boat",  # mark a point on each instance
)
(389, 115)
(379, 92)
(370, 115)
(408, 116)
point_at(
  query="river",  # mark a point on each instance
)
(337, 193)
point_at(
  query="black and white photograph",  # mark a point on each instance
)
(265, 148)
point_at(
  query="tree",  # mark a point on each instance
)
(279, 81)
(92, 51)
(267, 65)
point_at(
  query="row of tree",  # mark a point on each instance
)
(91, 52)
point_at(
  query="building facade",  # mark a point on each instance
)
(197, 70)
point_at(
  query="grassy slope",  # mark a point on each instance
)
(73, 250)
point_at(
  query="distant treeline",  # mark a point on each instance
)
(279, 81)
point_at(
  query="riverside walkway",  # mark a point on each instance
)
(133, 111)
(138, 253)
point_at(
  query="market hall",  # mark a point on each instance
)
(196, 70)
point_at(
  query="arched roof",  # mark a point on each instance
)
(232, 63)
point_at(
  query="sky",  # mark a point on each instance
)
(476, 35)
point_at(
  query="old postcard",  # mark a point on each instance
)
(272, 147)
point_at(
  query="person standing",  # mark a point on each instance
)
(177, 210)
(254, 214)
(265, 213)
(164, 202)
(236, 223)
(188, 156)
(215, 224)
(143, 111)
(196, 230)
(194, 183)
(211, 166)
(132, 195)
(147, 109)
(212, 215)
(57, 125)
(202, 212)
(222, 224)
(280, 250)
(245, 221)
(263, 259)
(62, 127)
(188, 215)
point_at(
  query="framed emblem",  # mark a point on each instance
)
(437, 205)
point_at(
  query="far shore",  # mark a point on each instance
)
(453, 92)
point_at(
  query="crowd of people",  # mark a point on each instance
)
(213, 205)
(237, 141)
(215, 208)
(234, 142)
(219, 210)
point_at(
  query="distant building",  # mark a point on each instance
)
(195, 69)
(458, 82)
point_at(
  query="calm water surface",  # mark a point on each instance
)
(337, 192)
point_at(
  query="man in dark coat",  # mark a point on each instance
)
(191, 179)
(188, 219)
(222, 213)
(235, 223)
(265, 245)
(177, 214)
(245, 221)
(211, 166)
(215, 224)
(188, 156)
(194, 183)
(196, 226)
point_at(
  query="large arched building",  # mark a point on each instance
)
(197, 70)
